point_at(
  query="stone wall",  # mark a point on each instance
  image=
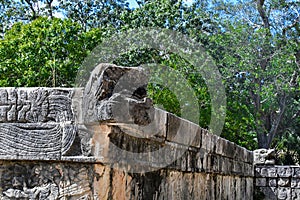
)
(95, 143)
(277, 182)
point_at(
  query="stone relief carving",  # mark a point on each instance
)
(296, 172)
(295, 183)
(47, 141)
(36, 123)
(35, 105)
(114, 95)
(46, 181)
(30, 182)
(284, 193)
(40, 123)
(284, 171)
(283, 178)
(264, 156)
(283, 182)
(295, 194)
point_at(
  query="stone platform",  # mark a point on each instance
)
(107, 141)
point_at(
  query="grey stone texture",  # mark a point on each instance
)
(277, 182)
(89, 143)
(264, 156)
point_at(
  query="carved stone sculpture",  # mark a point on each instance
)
(117, 94)
(43, 123)
(264, 156)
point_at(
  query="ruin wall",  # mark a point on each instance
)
(67, 143)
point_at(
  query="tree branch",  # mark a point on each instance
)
(273, 131)
(262, 13)
(49, 3)
(32, 9)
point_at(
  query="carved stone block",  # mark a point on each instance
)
(269, 192)
(284, 193)
(284, 171)
(295, 194)
(268, 172)
(31, 140)
(295, 183)
(38, 180)
(284, 182)
(260, 182)
(264, 156)
(257, 171)
(117, 94)
(296, 172)
(35, 105)
(272, 182)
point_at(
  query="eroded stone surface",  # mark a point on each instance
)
(264, 156)
(31, 105)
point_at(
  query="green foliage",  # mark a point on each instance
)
(46, 52)
(257, 56)
(95, 13)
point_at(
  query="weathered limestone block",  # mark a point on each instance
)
(239, 154)
(264, 156)
(226, 165)
(237, 168)
(40, 180)
(117, 94)
(296, 172)
(249, 188)
(272, 182)
(183, 132)
(295, 183)
(283, 182)
(32, 105)
(248, 170)
(225, 148)
(295, 194)
(283, 171)
(249, 156)
(261, 182)
(209, 141)
(284, 193)
(155, 130)
(213, 163)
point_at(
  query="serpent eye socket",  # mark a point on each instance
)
(263, 151)
(140, 92)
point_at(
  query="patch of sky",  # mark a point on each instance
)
(58, 13)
